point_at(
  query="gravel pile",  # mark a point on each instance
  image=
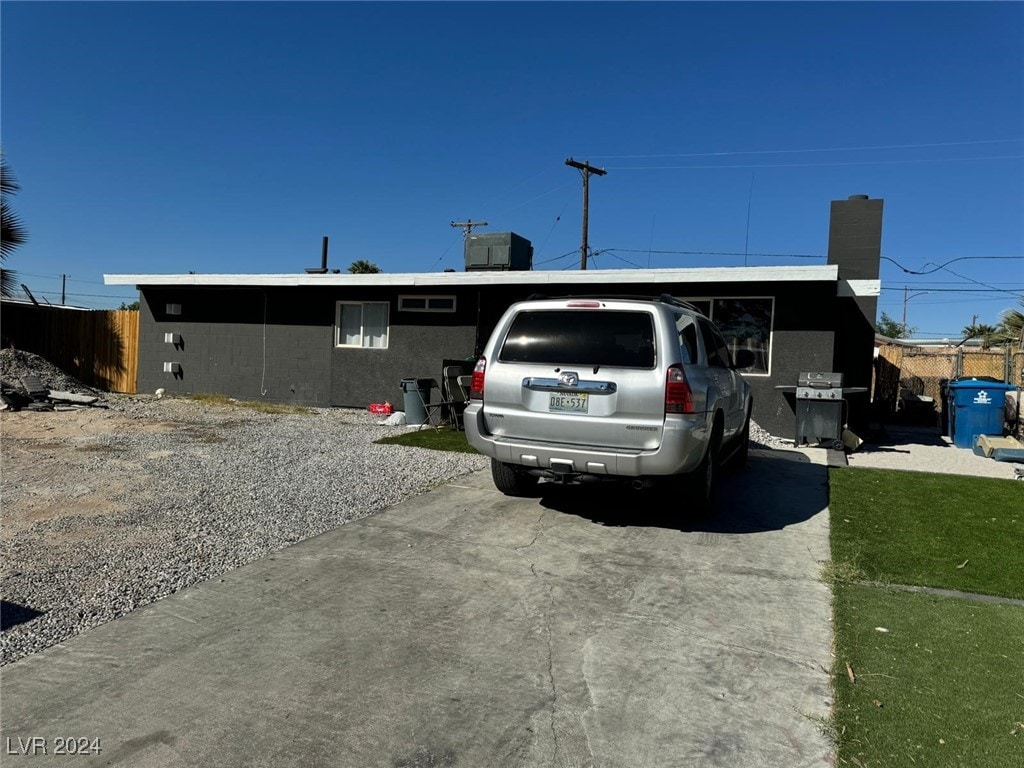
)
(761, 438)
(16, 363)
(220, 488)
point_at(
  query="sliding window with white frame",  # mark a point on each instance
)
(362, 324)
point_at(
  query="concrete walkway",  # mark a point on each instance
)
(462, 628)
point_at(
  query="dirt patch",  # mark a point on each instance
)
(87, 422)
(50, 467)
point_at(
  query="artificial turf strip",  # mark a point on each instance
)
(443, 439)
(943, 686)
(951, 532)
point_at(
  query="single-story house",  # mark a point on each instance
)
(327, 339)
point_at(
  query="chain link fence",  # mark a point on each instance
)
(910, 382)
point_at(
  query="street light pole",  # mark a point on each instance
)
(907, 298)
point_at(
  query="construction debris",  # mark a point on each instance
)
(31, 383)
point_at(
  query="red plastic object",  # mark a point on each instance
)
(384, 408)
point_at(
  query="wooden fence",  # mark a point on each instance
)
(100, 348)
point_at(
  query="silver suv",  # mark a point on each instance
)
(579, 389)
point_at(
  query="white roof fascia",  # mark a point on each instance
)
(859, 288)
(819, 273)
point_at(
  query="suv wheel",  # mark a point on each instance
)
(511, 480)
(742, 448)
(700, 490)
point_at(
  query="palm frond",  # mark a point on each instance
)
(12, 232)
(8, 282)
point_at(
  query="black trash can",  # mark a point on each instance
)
(416, 394)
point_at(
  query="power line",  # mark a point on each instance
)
(58, 277)
(943, 265)
(722, 253)
(89, 295)
(557, 258)
(611, 252)
(828, 149)
(986, 289)
(978, 282)
(812, 165)
(966, 300)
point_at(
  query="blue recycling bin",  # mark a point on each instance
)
(977, 409)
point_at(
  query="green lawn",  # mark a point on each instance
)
(944, 686)
(937, 681)
(443, 439)
(930, 530)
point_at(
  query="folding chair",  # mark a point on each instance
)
(455, 391)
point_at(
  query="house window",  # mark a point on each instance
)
(747, 324)
(362, 324)
(426, 303)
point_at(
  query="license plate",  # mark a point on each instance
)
(566, 403)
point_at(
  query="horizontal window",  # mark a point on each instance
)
(426, 303)
(362, 324)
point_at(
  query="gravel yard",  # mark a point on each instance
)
(105, 510)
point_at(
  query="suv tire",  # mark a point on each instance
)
(511, 480)
(742, 447)
(700, 483)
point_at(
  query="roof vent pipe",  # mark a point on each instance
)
(323, 261)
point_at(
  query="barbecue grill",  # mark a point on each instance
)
(819, 407)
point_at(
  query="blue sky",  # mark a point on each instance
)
(230, 137)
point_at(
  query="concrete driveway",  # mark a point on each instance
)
(462, 628)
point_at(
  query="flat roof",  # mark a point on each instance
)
(826, 273)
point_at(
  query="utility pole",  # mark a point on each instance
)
(467, 226)
(63, 283)
(585, 170)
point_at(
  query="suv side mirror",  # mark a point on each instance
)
(745, 358)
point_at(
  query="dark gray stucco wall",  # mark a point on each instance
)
(278, 344)
(292, 357)
(363, 376)
(270, 344)
(418, 343)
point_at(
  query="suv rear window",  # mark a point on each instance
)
(581, 337)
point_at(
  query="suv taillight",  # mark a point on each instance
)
(476, 386)
(678, 396)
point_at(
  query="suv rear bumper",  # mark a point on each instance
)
(681, 450)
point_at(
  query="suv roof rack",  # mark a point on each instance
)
(669, 299)
(665, 298)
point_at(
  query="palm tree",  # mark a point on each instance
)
(12, 232)
(1011, 326)
(363, 267)
(987, 333)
